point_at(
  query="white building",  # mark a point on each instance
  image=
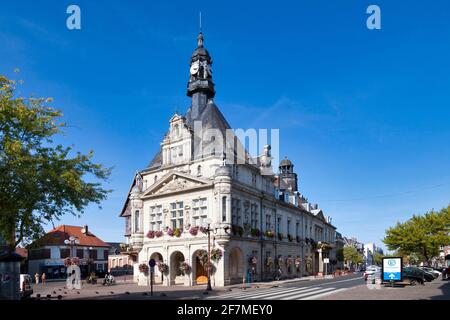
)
(258, 221)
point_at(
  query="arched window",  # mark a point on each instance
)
(156, 178)
(176, 130)
(224, 209)
(137, 225)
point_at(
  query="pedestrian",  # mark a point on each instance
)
(43, 278)
(36, 278)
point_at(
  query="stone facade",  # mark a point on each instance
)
(259, 222)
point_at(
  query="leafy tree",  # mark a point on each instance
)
(421, 236)
(378, 258)
(40, 181)
(352, 256)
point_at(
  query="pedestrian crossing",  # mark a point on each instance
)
(280, 293)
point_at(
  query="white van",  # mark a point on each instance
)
(26, 286)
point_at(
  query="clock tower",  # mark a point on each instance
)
(200, 86)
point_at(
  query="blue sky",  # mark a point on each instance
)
(364, 115)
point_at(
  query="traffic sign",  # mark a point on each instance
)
(326, 260)
(392, 269)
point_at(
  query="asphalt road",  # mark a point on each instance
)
(301, 290)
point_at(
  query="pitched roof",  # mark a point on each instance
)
(63, 232)
(22, 252)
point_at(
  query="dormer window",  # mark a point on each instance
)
(176, 130)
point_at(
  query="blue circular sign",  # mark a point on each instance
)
(152, 263)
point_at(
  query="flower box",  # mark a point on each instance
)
(151, 234)
(269, 234)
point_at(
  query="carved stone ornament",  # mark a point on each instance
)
(176, 184)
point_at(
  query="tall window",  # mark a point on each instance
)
(297, 229)
(236, 212)
(199, 211)
(254, 216)
(268, 220)
(176, 214)
(246, 212)
(199, 171)
(137, 225)
(288, 226)
(224, 209)
(156, 218)
(278, 225)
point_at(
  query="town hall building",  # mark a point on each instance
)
(257, 221)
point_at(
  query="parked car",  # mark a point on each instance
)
(432, 271)
(26, 286)
(370, 272)
(417, 272)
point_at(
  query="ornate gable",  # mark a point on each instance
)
(176, 182)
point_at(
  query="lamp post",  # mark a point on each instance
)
(207, 224)
(72, 242)
(89, 261)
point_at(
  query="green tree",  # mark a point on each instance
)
(421, 236)
(40, 181)
(352, 256)
(378, 258)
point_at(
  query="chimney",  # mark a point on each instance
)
(85, 229)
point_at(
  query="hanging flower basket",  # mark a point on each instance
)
(298, 239)
(151, 234)
(193, 230)
(143, 267)
(289, 261)
(163, 268)
(269, 261)
(290, 237)
(298, 261)
(67, 262)
(158, 234)
(216, 255)
(280, 261)
(185, 268)
(210, 267)
(253, 261)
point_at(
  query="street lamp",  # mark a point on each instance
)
(206, 225)
(72, 242)
(89, 260)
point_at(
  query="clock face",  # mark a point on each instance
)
(194, 67)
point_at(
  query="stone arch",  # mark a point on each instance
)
(236, 265)
(176, 276)
(159, 277)
(199, 272)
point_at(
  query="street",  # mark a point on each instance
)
(349, 287)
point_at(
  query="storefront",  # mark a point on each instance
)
(53, 270)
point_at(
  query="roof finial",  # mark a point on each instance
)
(200, 16)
